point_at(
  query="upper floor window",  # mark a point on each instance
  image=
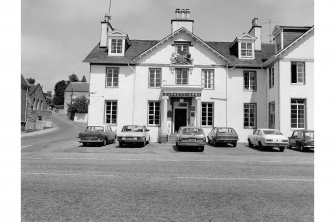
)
(246, 50)
(297, 72)
(207, 78)
(181, 76)
(271, 77)
(250, 80)
(116, 46)
(182, 48)
(112, 77)
(155, 77)
(278, 42)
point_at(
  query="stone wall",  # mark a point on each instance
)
(38, 119)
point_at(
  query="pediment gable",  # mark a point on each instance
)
(172, 36)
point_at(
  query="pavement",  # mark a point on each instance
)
(63, 181)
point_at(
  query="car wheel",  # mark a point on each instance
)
(209, 141)
(177, 147)
(249, 143)
(144, 143)
(302, 148)
(84, 144)
(282, 148)
(201, 149)
(214, 143)
(260, 146)
(234, 144)
(104, 143)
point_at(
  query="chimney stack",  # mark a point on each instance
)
(256, 30)
(105, 26)
(182, 20)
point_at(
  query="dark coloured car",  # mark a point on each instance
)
(302, 140)
(191, 137)
(222, 135)
(103, 135)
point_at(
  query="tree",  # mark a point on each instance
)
(31, 81)
(73, 78)
(79, 105)
(83, 79)
(59, 92)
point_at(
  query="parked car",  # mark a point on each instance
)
(191, 137)
(302, 139)
(268, 138)
(222, 135)
(103, 134)
(134, 134)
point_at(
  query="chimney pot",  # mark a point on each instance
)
(255, 22)
(183, 14)
(187, 11)
(177, 13)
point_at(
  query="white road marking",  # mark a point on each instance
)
(245, 178)
(25, 146)
(69, 174)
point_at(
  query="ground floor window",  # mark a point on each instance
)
(298, 113)
(207, 114)
(250, 115)
(154, 113)
(111, 112)
(272, 115)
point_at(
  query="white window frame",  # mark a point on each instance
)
(181, 77)
(249, 120)
(207, 78)
(206, 115)
(113, 79)
(155, 72)
(298, 112)
(246, 49)
(111, 113)
(250, 80)
(182, 47)
(271, 77)
(116, 46)
(299, 72)
(154, 114)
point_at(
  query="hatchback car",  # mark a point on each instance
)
(302, 139)
(268, 138)
(134, 134)
(191, 137)
(103, 135)
(222, 135)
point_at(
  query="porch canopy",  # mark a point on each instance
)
(182, 90)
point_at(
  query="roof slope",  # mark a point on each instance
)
(24, 81)
(77, 87)
(32, 88)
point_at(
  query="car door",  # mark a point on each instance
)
(300, 138)
(293, 138)
(254, 138)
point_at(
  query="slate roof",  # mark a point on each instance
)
(99, 55)
(32, 88)
(77, 87)
(24, 81)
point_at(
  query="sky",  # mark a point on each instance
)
(56, 35)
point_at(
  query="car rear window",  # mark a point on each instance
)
(273, 132)
(309, 134)
(226, 130)
(189, 131)
(132, 129)
(95, 128)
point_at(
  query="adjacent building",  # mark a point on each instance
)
(183, 80)
(75, 90)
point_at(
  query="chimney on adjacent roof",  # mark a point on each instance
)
(182, 20)
(256, 30)
(105, 27)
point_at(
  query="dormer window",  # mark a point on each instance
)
(278, 43)
(116, 46)
(246, 50)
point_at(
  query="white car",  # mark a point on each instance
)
(268, 138)
(133, 134)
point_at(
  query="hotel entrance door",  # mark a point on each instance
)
(180, 118)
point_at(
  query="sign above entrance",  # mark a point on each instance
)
(182, 94)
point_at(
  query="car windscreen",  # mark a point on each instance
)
(95, 128)
(226, 130)
(190, 131)
(132, 129)
(272, 132)
(309, 134)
